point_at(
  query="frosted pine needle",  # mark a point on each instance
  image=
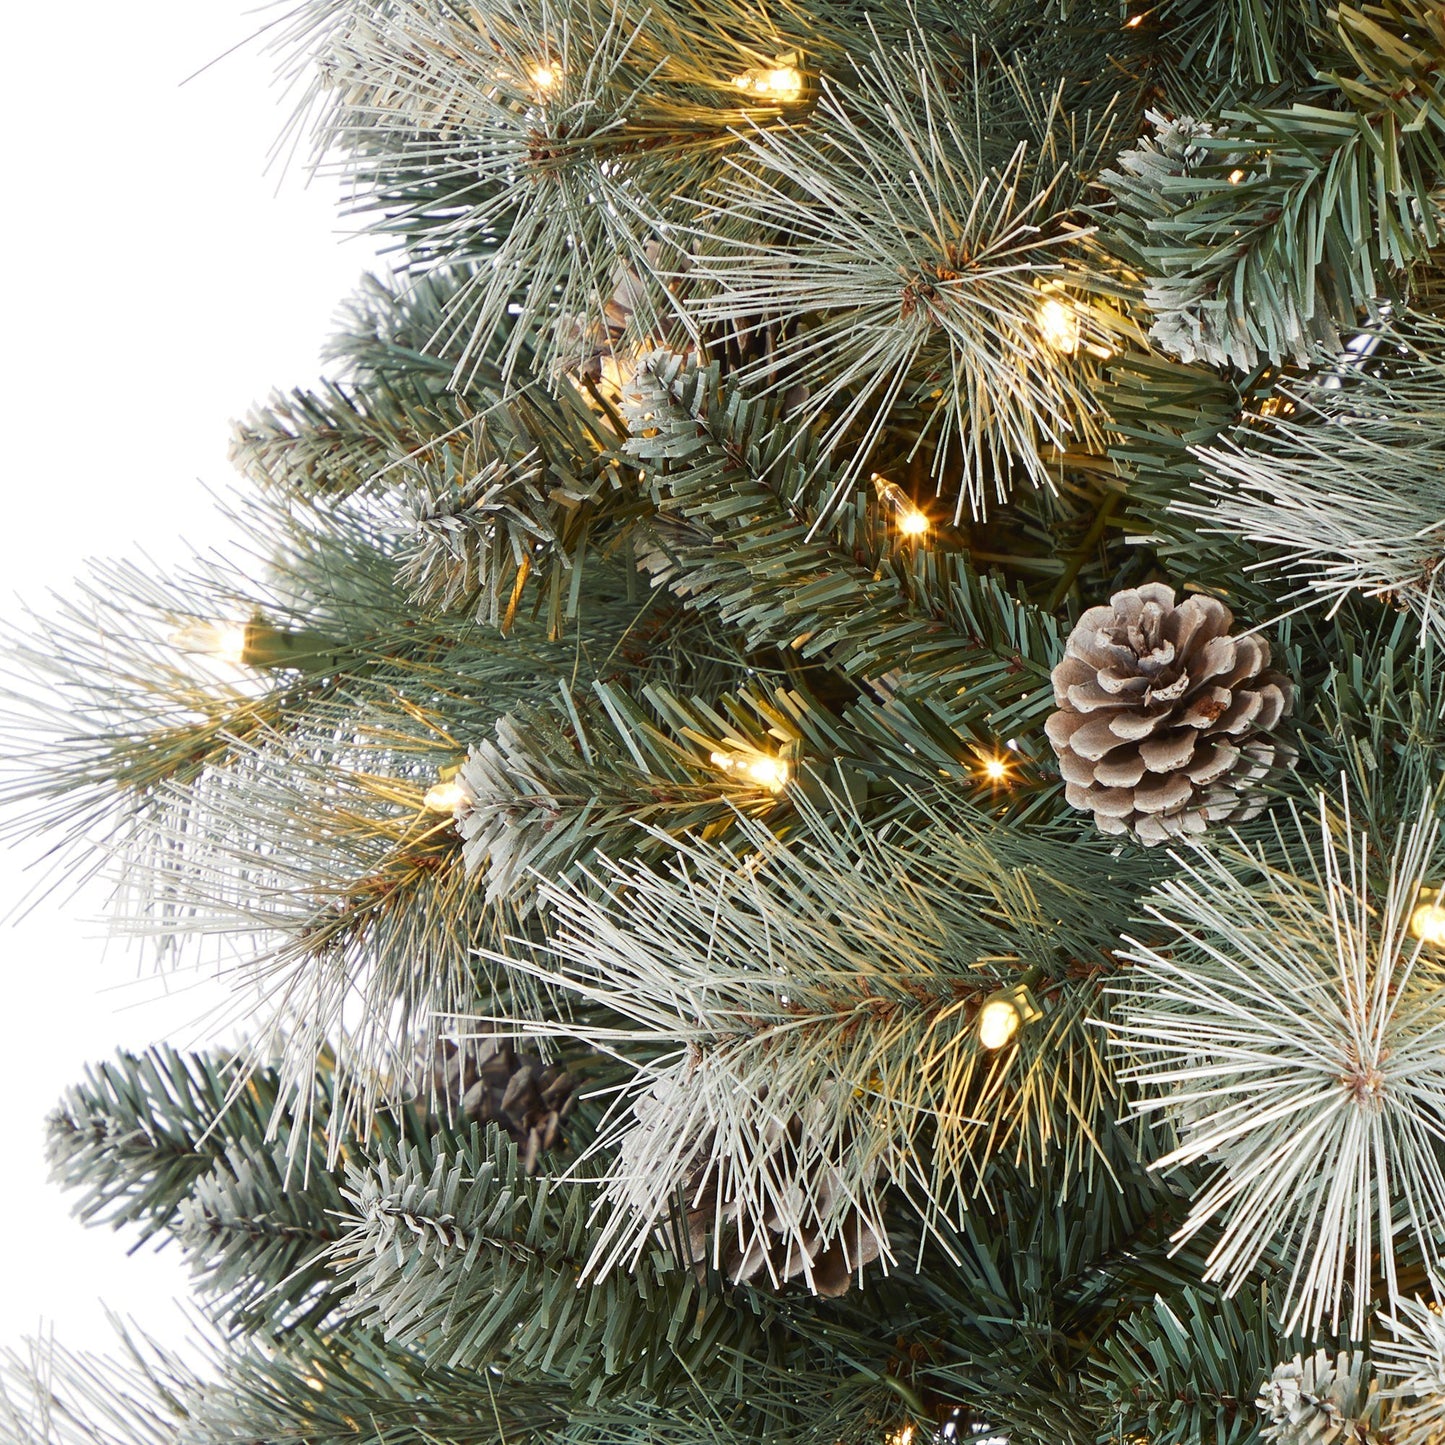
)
(1289, 1025)
(1345, 482)
(1412, 1370)
(916, 255)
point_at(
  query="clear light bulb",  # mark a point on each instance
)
(545, 76)
(757, 768)
(770, 773)
(445, 797)
(909, 519)
(779, 84)
(1058, 324)
(998, 1022)
(225, 641)
(995, 770)
(913, 523)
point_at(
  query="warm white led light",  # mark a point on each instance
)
(444, 797)
(780, 85)
(1427, 923)
(1058, 324)
(757, 768)
(998, 1022)
(910, 520)
(913, 523)
(225, 641)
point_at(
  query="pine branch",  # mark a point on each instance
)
(463, 1256)
(139, 1132)
(1263, 234)
(337, 440)
(1287, 1024)
(938, 305)
(1336, 486)
(315, 1391)
(837, 981)
(603, 111)
(1188, 1370)
(1411, 1366)
(558, 785)
(255, 1230)
(953, 658)
(1244, 43)
(199, 1149)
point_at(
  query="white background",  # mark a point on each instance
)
(158, 286)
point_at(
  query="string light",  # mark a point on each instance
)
(444, 797)
(995, 770)
(1004, 1013)
(759, 768)
(261, 644)
(901, 1437)
(1235, 177)
(1134, 22)
(545, 76)
(780, 84)
(998, 1022)
(910, 520)
(1058, 324)
(1427, 922)
(225, 641)
(1275, 406)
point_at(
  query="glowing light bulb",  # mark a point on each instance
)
(901, 1437)
(1275, 405)
(444, 797)
(780, 84)
(909, 519)
(545, 76)
(1133, 22)
(225, 641)
(1427, 923)
(1004, 1013)
(757, 768)
(913, 523)
(770, 773)
(1235, 177)
(998, 1022)
(995, 770)
(1058, 324)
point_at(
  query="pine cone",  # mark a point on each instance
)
(1315, 1401)
(486, 1081)
(783, 1243)
(1163, 721)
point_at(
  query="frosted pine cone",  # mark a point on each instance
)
(1315, 1401)
(1163, 719)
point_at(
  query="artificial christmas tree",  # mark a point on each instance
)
(831, 772)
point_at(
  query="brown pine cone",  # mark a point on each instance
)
(487, 1081)
(1163, 719)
